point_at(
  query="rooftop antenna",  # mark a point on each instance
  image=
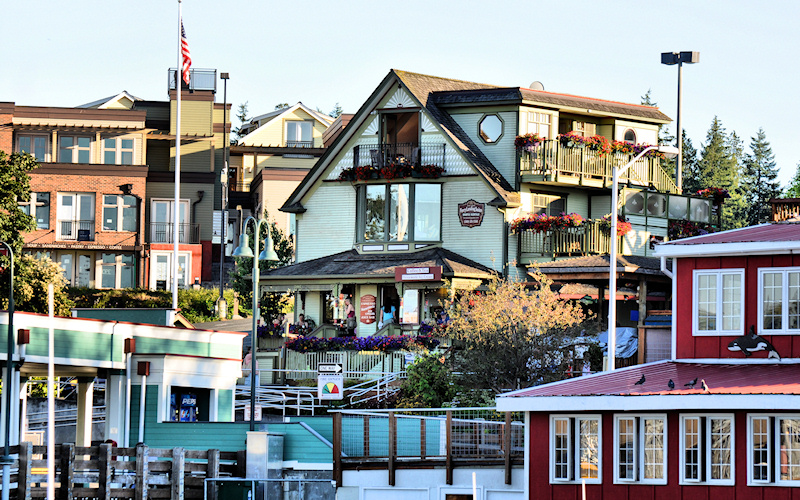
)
(536, 85)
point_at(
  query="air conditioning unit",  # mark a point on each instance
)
(656, 205)
(634, 203)
(678, 207)
(700, 210)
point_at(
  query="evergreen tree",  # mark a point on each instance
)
(793, 190)
(337, 111)
(647, 99)
(759, 180)
(241, 115)
(691, 174)
(718, 167)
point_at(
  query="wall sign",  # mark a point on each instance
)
(367, 315)
(471, 213)
(431, 273)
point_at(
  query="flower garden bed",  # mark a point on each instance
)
(375, 343)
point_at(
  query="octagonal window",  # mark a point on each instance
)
(490, 128)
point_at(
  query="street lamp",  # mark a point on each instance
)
(671, 58)
(268, 254)
(222, 305)
(670, 152)
(6, 459)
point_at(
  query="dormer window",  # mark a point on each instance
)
(298, 134)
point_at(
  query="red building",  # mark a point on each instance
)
(721, 419)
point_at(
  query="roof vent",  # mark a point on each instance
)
(537, 85)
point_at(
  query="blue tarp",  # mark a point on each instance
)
(627, 342)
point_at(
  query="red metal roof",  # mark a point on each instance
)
(777, 378)
(774, 232)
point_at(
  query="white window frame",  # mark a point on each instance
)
(187, 278)
(773, 450)
(118, 150)
(120, 206)
(574, 449)
(75, 217)
(298, 126)
(75, 149)
(46, 138)
(33, 204)
(639, 451)
(536, 125)
(784, 272)
(704, 452)
(719, 273)
(118, 265)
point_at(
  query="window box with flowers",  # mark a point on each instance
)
(623, 226)
(390, 172)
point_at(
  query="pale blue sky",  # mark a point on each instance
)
(321, 53)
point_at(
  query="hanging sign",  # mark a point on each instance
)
(367, 315)
(471, 213)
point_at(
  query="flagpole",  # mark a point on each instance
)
(176, 207)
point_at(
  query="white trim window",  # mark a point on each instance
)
(539, 123)
(779, 300)
(640, 445)
(35, 145)
(117, 271)
(118, 151)
(718, 302)
(74, 149)
(299, 134)
(119, 212)
(39, 207)
(706, 449)
(575, 449)
(161, 270)
(773, 443)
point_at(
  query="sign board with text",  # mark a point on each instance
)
(470, 213)
(429, 273)
(330, 381)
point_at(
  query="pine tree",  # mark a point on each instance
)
(691, 172)
(718, 167)
(647, 99)
(793, 190)
(759, 180)
(241, 115)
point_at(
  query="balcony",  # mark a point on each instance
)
(552, 163)
(299, 144)
(587, 239)
(199, 79)
(162, 232)
(76, 230)
(379, 155)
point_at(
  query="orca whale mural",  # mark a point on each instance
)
(750, 343)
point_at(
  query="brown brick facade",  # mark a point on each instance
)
(6, 131)
(44, 181)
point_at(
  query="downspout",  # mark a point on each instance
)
(194, 205)
(673, 329)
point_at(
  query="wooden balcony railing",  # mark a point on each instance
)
(552, 162)
(587, 239)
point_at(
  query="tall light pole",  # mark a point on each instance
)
(669, 151)
(268, 254)
(671, 58)
(6, 459)
(222, 305)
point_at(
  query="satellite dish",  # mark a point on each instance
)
(634, 204)
(656, 205)
(537, 85)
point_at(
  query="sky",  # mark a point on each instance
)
(324, 53)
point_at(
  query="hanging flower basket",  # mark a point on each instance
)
(539, 223)
(623, 226)
(717, 194)
(528, 142)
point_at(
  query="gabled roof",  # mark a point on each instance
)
(566, 102)
(420, 87)
(266, 118)
(772, 238)
(108, 102)
(351, 264)
(726, 385)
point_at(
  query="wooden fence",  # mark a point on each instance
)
(104, 472)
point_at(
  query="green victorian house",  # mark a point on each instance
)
(437, 179)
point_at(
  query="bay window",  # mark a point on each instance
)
(575, 448)
(779, 303)
(400, 212)
(640, 449)
(718, 302)
(706, 446)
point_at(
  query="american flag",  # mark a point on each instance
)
(185, 56)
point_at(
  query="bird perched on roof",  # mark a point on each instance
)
(691, 384)
(703, 385)
(640, 381)
(671, 384)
